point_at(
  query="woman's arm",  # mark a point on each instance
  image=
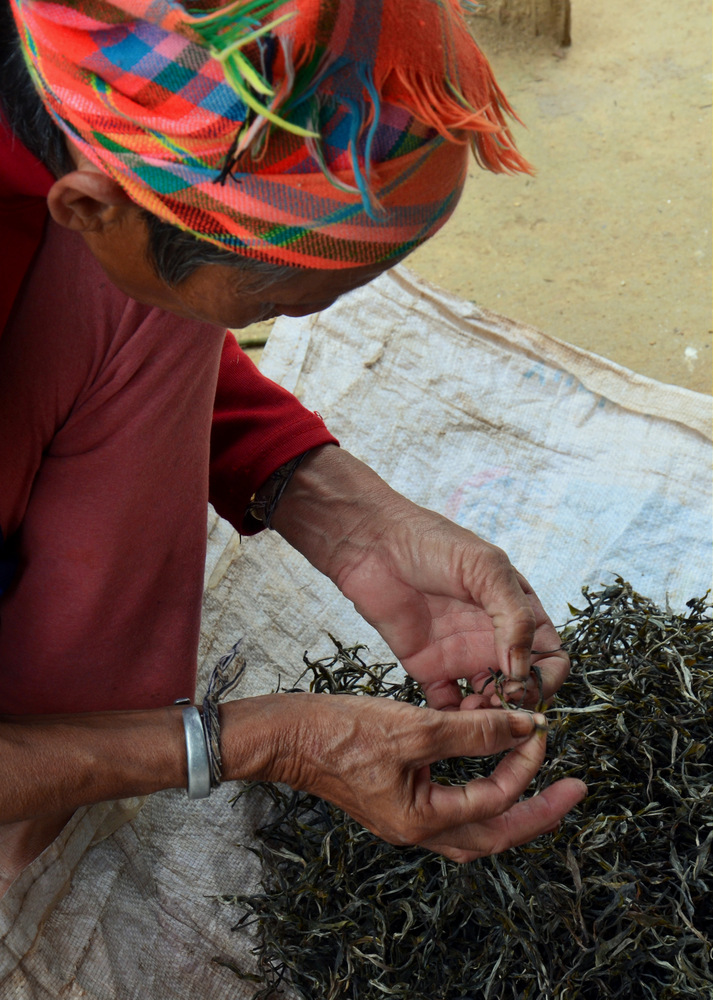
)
(369, 756)
(450, 605)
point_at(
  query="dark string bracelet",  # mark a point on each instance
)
(264, 501)
(223, 680)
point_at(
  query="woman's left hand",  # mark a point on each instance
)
(449, 604)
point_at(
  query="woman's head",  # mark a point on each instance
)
(313, 134)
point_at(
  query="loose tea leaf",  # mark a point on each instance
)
(616, 904)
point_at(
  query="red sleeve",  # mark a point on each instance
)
(257, 427)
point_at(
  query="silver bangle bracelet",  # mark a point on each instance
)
(196, 755)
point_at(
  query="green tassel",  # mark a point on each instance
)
(225, 33)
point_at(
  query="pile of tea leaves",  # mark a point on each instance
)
(617, 904)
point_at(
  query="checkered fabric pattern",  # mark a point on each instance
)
(315, 133)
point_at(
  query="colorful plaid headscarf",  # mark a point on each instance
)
(316, 133)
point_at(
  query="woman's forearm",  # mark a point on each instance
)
(53, 763)
(333, 505)
(367, 756)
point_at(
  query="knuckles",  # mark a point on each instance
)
(499, 557)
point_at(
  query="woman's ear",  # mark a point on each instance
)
(87, 201)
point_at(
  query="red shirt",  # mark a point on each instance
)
(257, 425)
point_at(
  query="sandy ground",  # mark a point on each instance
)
(609, 245)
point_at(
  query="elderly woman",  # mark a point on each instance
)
(165, 175)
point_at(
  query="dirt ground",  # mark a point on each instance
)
(609, 245)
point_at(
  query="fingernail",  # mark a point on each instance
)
(518, 664)
(541, 724)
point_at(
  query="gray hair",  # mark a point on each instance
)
(176, 254)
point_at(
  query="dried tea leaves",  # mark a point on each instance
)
(616, 904)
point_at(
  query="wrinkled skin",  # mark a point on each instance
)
(371, 758)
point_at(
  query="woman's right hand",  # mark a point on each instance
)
(371, 756)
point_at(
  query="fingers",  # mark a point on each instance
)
(485, 816)
(484, 798)
(371, 757)
(523, 822)
(505, 600)
(554, 667)
(553, 670)
(478, 734)
(443, 695)
(516, 648)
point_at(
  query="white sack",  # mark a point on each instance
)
(578, 468)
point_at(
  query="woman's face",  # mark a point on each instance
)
(229, 297)
(218, 293)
